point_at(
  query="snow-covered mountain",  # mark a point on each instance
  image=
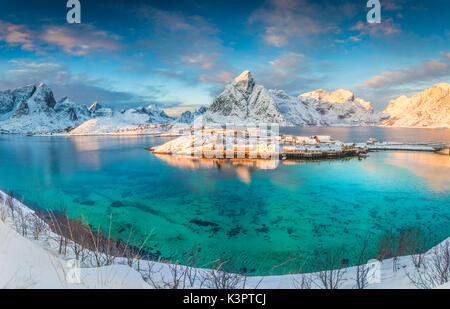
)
(31, 110)
(188, 117)
(427, 109)
(133, 120)
(243, 101)
(34, 110)
(340, 107)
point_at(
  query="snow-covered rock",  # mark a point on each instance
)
(155, 114)
(188, 117)
(33, 110)
(340, 107)
(243, 101)
(97, 110)
(427, 109)
(42, 101)
(9, 99)
(131, 121)
(69, 109)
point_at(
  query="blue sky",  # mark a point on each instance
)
(179, 54)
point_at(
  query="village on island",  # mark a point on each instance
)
(263, 143)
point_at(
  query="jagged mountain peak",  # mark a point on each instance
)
(95, 107)
(244, 82)
(244, 101)
(244, 76)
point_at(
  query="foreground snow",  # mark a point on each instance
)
(27, 263)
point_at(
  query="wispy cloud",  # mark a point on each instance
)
(188, 45)
(293, 20)
(78, 40)
(386, 27)
(81, 40)
(81, 88)
(290, 72)
(431, 69)
(382, 88)
(17, 35)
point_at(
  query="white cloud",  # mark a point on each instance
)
(427, 70)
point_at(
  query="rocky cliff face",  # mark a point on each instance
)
(10, 99)
(31, 110)
(244, 101)
(34, 110)
(188, 116)
(72, 111)
(428, 109)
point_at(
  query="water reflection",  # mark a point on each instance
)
(432, 167)
(242, 168)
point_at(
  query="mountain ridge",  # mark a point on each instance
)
(245, 101)
(427, 109)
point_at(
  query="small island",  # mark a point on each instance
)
(257, 143)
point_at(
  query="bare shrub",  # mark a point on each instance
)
(176, 277)
(87, 244)
(222, 277)
(38, 227)
(435, 269)
(331, 271)
(362, 268)
(406, 242)
(300, 278)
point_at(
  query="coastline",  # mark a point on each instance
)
(33, 262)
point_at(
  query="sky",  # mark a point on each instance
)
(179, 54)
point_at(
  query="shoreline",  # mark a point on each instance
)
(394, 272)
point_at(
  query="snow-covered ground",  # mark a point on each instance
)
(32, 262)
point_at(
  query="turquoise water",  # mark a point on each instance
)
(250, 213)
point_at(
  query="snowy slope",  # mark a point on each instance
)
(130, 121)
(428, 109)
(188, 116)
(340, 107)
(31, 110)
(244, 101)
(34, 110)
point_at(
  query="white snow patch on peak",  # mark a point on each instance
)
(444, 86)
(364, 103)
(245, 76)
(95, 106)
(337, 96)
(244, 82)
